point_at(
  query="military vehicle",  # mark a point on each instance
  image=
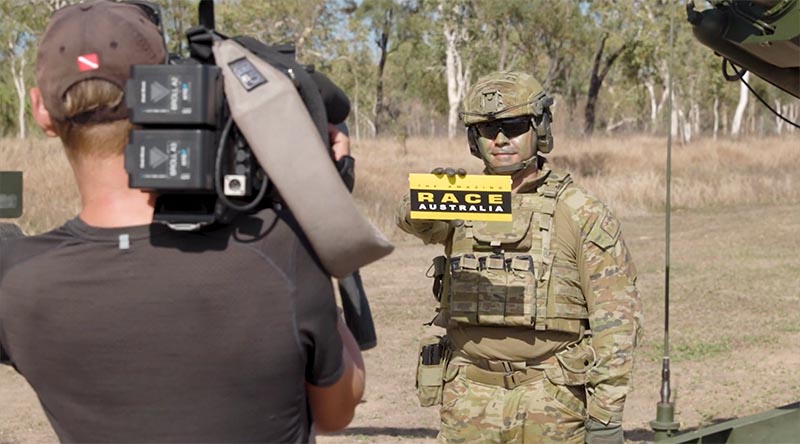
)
(763, 37)
(760, 36)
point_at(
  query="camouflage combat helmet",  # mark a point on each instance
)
(506, 95)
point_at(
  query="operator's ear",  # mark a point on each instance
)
(40, 113)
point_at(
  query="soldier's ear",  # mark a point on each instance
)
(40, 113)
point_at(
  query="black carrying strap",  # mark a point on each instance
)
(200, 41)
(205, 12)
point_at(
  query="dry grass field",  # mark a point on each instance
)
(735, 274)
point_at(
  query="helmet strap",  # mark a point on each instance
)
(472, 140)
(544, 137)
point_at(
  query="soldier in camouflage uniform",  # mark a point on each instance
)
(542, 313)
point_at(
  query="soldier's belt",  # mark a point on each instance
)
(495, 365)
(508, 380)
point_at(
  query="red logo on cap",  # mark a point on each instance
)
(88, 62)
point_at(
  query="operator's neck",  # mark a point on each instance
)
(106, 200)
(521, 178)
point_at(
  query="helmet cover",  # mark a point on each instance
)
(503, 95)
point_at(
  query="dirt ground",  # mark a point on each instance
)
(734, 333)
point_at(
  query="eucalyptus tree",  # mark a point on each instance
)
(456, 20)
(390, 24)
(297, 23)
(543, 37)
(21, 23)
(178, 17)
(612, 31)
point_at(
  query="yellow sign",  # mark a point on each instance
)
(471, 197)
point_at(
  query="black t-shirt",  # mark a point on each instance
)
(144, 334)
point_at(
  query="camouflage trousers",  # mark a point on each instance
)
(536, 411)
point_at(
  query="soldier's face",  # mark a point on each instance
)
(506, 142)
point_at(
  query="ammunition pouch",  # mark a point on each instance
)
(497, 289)
(434, 355)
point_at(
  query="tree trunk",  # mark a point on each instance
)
(54, 5)
(355, 113)
(300, 42)
(451, 62)
(18, 75)
(383, 44)
(457, 78)
(695, 118)
(596, 81)
(778, 121)
(674, 121)
(716, 116)
(686, 124)
(501, 63)
(725, 128)
(594, 90)
(651, 92)
(736, 125)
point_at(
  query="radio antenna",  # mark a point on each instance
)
(664, 425)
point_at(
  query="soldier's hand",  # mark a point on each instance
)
(451, 172)
(599, 433)
(340, 142)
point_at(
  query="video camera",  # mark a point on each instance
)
(188, 149)
(186, 146)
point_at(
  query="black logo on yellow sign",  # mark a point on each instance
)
(471, 202)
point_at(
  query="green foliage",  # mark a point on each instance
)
(20, 24)
(389, 56)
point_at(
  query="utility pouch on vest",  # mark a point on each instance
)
(511, 236)
(574, 364)
(436, 271)
(431, 365)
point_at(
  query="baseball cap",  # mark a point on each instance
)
(95, 40)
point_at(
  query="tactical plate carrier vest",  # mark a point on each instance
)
(505, 273)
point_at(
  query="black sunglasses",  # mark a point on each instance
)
(511, 128)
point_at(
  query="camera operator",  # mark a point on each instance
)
(131, 332)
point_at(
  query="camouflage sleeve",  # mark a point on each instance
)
(430, 231)
(608, 279)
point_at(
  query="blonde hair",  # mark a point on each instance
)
(92, 139)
